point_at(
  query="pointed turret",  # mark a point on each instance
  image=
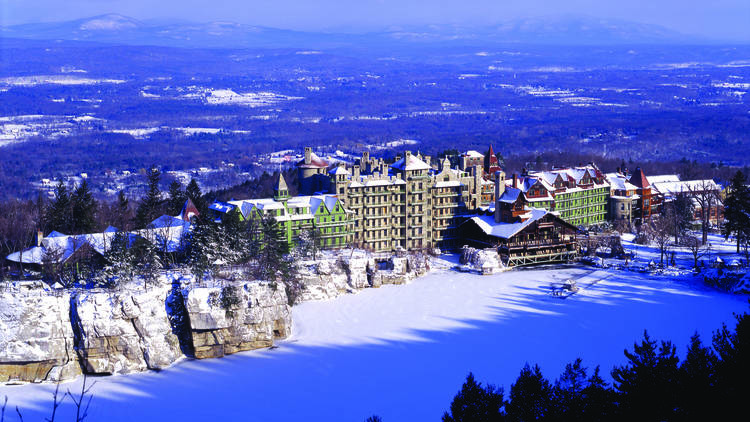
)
(491, 165)
(639, 179)
(280, 190)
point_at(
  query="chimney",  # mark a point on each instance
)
(308, 155)
(39, 237)
(515, 181)
(428, 160)
(355, 172)
(499, 190)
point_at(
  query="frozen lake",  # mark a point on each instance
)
(402, 352)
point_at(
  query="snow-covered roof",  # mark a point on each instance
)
(448, 184)
(510, 195)
(474, 154)
(410, 162)
(661, 178)
(340, 170)
(29, 256)
(506, 230)
(620, 182)
(673, 188)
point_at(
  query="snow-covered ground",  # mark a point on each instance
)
(402, 352)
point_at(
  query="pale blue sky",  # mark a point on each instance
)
(724, 19)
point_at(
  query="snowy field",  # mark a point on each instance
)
(402, 352)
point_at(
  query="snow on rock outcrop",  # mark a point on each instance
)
(36, 338)
(484, 261)
(124, 331)
(332, 275)
(236, 317)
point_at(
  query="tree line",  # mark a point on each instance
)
(654, 384)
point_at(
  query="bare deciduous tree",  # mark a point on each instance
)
(662, 232)
(706, 194)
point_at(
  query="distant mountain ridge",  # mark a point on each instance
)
(119, 29)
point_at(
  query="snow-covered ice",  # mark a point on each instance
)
(402, 352)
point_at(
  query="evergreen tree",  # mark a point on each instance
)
(530, 396)
(122, 212)
(737, 210)
(475, 403)
(84, 208)
(177, 198)
(193, 192)
(647, 383)
(148, 209)
(271, 263)
(598, 399)
(145, 261)
(568, 391)
(59, 214)
(119, 268)
(697, 380)
(207, 248)
(733, 368)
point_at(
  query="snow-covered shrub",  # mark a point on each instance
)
(726, 280)
(485, 261)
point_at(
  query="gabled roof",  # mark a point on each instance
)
(410, 162)
(506, 230)
(510, 195)
(474, 154)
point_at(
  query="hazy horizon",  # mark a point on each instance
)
(720, 20)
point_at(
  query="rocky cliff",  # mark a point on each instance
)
(236, 317)
(334, 274)
(36, 338)
(124, 331)
(50, 335)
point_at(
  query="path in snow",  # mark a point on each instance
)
(402, 352)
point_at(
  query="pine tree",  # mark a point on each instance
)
(568, 391)
(475, 403)
(122, 212)
(697, 380)
(84, 208)
(58, 215)
(193, 192)
(119, 268)
(737, 210)
(530, 396)
(271, 263)
(733, 367)
(598, 399)
(148, 209)
(647, 382)
(177, 198)
(146, 261)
